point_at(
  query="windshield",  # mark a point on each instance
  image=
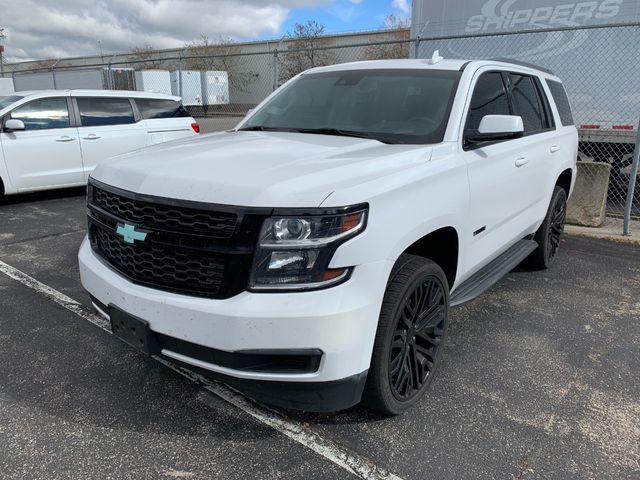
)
(8, 100)
(390, 105)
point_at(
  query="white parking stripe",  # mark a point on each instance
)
(345, 458)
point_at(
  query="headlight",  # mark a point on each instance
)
(294, 252)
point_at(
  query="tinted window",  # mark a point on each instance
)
(104, 111)
(489, 98)
(562, 102)
(526, 102)
(158, 108)
(8, 100)
(390, 105)
(43, 113)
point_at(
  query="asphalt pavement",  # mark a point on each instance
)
(541, 379)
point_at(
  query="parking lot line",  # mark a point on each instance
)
(299, 432)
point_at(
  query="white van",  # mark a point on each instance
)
(55, 138)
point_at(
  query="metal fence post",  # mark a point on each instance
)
(180, 75)
(53, 74)
(633, 178)
(276, 69)
(416, 46)
(109, 77)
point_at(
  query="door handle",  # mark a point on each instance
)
(91, 136)
(65, 138)
(520, 161)
(554, 148)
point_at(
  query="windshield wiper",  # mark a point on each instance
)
(321, 131)
(258, 128)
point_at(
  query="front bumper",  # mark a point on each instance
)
(340, 321)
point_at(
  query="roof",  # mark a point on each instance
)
(423, 63)
(402, 63)
(96, 93)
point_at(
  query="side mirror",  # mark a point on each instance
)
(495, 128)
(12, 125)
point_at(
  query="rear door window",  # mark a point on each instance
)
(489, 98)
(44, 113)
(159, 108)
(562, 102)
(526, 103)
(98, 111)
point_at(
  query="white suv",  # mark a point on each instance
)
(55, 138)
(309, 257)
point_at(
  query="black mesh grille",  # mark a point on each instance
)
(163, 266)
(189, 248)
(153, 215)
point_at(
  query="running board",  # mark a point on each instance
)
(483, 279)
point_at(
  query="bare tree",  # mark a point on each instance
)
(398, 33)
(47, 63)
(305, 42)
(145, 57)
(223, 54)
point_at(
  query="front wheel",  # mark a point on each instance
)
(550, 232)
(409, 337)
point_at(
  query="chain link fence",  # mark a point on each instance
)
(598, 66)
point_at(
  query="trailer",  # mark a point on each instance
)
(592, 46)
(6, 86)
(215, 87)
(156, 81)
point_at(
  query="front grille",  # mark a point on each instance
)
(190, 248)
(160, 266)
(167, 217)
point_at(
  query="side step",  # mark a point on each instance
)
(483, 279)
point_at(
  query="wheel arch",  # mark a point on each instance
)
(442, 246)
(565, 180)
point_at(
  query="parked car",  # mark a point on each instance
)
(55, 138)
(310, 256)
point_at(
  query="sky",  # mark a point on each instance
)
(43, 29)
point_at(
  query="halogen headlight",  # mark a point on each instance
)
(294, 251)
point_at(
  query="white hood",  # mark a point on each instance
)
(265, 169)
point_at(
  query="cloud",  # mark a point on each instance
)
(403, 5)
(64, 28)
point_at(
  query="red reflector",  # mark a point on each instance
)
(196, 127)
(590, 126)
(623, 127)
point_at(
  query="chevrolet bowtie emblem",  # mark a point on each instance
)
(130, 234)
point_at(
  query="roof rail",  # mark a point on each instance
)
(523, 64)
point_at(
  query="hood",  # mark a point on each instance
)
(262, 169)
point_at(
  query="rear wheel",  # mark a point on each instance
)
(550, 232)
(410, 335)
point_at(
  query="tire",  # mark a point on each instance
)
(550, 232)
(408, 348)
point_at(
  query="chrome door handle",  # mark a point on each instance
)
(65, 138)
(91, 136)
(554, 149)
(520, 161)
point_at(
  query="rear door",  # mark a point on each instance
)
(47, 152)
(165, 119)
(107, 127)
(539, 144)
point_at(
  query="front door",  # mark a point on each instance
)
(499, 189)
(47, 153)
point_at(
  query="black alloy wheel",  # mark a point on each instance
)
(556, 226)
(410, 335)
(416, 339)
(549, 235)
